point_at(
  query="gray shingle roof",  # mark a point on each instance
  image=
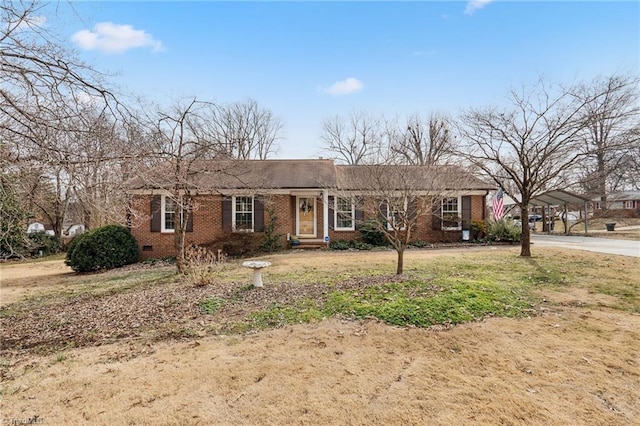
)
(211, 175)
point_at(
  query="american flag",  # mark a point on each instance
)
(498, 205)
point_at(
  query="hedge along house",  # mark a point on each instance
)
(313, 201)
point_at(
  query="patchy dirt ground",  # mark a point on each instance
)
(20, 280)
(568, 365)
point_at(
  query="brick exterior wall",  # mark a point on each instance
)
(207, 223)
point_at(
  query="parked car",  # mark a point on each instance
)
(535, 218)
(532, 224)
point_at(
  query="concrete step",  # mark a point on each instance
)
(311, 244)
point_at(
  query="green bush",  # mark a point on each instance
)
(359, 245)
(107, 247)
(504, 230)
(339, 245)
(43, 244)
(478, 229)
(73, 243)
(372, 235)
(272, 241)
(419, 244)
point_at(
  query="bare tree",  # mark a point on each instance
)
(42, 84)
(612, 111)
(243, 130)
(45, 93)
(13, 215)
(356, 139)
(181, 139)
(627, 175)
(396, 199)
(527, 145)
(420, 142)
(104, 159)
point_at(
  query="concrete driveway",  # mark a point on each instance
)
(600, 245)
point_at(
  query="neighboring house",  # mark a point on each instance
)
(625, 200)
(313, 201)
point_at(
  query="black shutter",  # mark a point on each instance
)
(436, 218)
(156, 213)
(227, 220)
(412, 211)
(330, 218)
(258, 212)
(359, 218)
(466, 212)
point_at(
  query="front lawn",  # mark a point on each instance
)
(439, 288)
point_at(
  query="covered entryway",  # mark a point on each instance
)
(306, 217)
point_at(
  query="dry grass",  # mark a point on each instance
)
(597, 228)
(576, 362)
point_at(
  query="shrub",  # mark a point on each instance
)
(505, 231)
(71, 246)
(420, 244)
(106, 247)
(478, 229)
(339, 245)
(372, 235)
(272, 241)
(359, 245)
(200, 265)
(43, 242)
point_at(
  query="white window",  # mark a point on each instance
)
(243, 214)
(451, 214)
(168, 214)
(344, 214)
(629, 204)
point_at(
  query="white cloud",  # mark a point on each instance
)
(108, 37)
(344, 87)
(474, 5)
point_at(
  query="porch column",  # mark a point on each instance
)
(325, 215)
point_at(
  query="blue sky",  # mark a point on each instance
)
(310, 60)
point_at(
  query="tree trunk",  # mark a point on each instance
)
(525, 245)
(602, 180)
(179, 232)
(400, 261)
(178, 239)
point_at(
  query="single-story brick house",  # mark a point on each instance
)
(624, 200)
(313, 200)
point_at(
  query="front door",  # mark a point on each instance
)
(306, 217)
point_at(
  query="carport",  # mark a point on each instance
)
(563, 198)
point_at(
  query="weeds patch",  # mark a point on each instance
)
(278, 315)
(449, 305)
(211, 305)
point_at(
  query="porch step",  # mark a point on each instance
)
(311, 245)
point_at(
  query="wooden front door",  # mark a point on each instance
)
(306, 217)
